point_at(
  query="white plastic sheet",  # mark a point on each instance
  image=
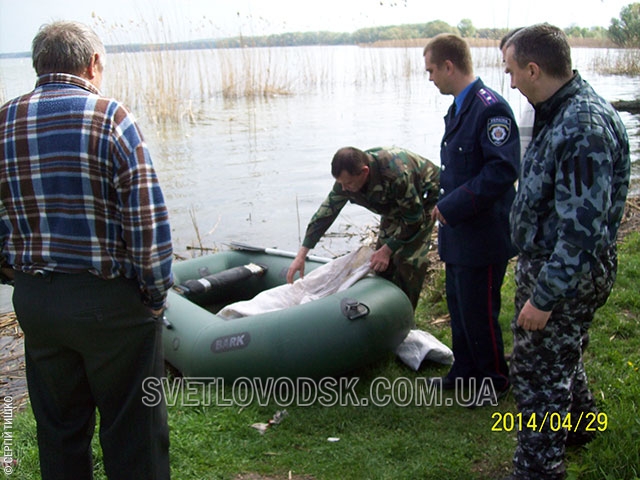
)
(419, 346)
(335, 276)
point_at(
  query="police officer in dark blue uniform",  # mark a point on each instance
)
(480, 154)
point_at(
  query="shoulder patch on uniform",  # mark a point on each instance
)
(499, 130)
(487, 97)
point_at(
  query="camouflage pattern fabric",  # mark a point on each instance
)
(403, 189)
(546, 369)
(572, 190)
(565, 218)
(409, 264)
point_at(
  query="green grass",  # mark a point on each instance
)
(414, 442)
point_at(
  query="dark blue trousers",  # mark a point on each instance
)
(473, 298)
(89, 344)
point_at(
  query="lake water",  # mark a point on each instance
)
(254, 169)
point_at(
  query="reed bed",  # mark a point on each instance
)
(172, 86)
(618, 62)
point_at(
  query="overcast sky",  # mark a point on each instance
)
(123, 21)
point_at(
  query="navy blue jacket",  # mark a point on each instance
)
(480, 162)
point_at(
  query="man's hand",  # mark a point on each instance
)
(7, 274)
(381, 258)
(297, 265)
(436, 215)
(531, 318)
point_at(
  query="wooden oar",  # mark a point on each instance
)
(274, 251)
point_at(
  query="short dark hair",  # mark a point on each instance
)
(65, 47)
(349, 159)
(545, 45)
(507, 37)
(447, 46)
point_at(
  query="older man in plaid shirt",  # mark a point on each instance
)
(85, 232)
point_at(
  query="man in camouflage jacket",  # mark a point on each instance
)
(401, 187)
(565, 218)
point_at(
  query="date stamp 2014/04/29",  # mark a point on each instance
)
(585, 422)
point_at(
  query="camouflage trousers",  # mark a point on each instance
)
(409, 264)
(547, 372)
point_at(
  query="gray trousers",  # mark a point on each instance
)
(89, 344)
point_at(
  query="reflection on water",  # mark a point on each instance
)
(266, 167)
(255, 169)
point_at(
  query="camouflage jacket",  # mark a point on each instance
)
(402, 188)
(572, 189)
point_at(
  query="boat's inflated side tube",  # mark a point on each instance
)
(220, 279)
(326, 337)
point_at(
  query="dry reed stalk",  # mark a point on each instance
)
(618, 62)
(9, 325)
(192, 215)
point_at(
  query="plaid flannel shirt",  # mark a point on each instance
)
(78, 190)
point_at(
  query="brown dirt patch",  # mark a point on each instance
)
(13, 380)
(631, 218)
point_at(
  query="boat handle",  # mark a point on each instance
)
(353, 309)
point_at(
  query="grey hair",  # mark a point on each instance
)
(65, 47)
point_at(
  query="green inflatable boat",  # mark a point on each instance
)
(329, 336)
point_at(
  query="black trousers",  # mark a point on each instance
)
(90, 343)
(473, 298)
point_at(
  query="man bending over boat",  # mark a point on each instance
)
(400, 186)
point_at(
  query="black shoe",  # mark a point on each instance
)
(585, 342)
(578, 439)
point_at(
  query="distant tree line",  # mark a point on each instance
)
(624, 32)
(362, 36)
(388, 33)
